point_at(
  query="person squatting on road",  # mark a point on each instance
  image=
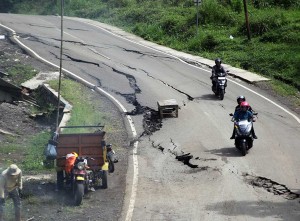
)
(11, 185)
(216, 70)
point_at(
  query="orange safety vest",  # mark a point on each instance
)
(70, 160)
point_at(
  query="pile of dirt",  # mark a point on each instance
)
(15, 120)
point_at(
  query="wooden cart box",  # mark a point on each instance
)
(85, 144)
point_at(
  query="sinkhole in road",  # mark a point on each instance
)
(151, 119)
(151, 122)
(185, 158)
(271, 186)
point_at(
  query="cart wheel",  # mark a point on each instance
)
(104, 179)
(111, 166)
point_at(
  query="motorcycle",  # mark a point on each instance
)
(243, 135)
(80, 179)
(220, 85)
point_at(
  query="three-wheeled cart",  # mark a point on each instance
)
(90, 145)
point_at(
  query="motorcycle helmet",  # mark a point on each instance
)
(240, 99)
(218, 61)
(75, 154)
(244, 105)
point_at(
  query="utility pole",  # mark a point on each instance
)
(197, 2)
(60, 65)
(246, 18)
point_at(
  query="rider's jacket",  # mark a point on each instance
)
(238, 108)
(242, 115)
(216, 70)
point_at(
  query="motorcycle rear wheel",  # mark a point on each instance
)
(79, 192)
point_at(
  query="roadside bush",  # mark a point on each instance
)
(286, 34)
(279, 3)
(237, 5)
(213, 12)
(174, 2)
(173, 24)
(194, 44)
(264, 21)
(118, 3)
(148, 32)
(135, 15)
(209, 42)
(90, 13)
(141, 15)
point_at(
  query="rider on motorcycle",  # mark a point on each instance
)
(239, 100)
(216, 70)
(243, 112)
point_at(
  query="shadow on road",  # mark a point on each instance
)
(265, 210)
(226, 152)
(206, 97)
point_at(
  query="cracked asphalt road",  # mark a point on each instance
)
(189, 188)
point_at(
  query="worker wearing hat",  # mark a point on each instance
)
(11, 184)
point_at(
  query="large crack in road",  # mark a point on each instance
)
(271, 186)
(149, 54)
(190, 98)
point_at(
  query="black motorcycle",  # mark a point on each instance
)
(220, 84)
(243, 134)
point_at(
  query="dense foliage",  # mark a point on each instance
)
(274, 49)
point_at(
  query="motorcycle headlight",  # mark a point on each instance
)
(80, 165)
